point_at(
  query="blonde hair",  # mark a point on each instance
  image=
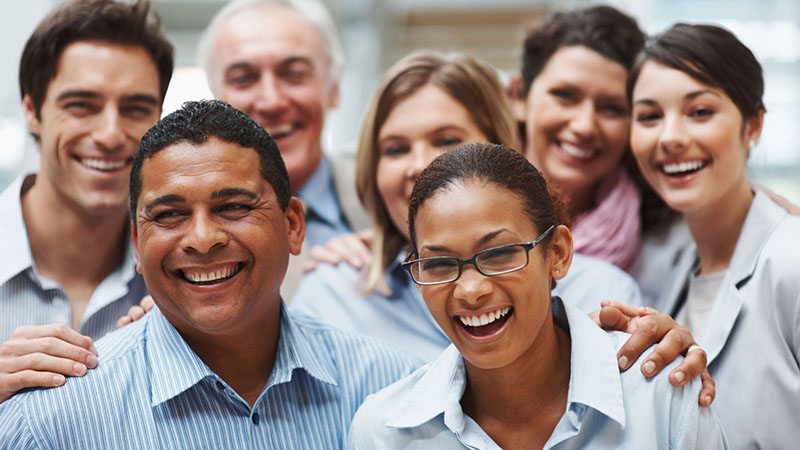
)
(466, 79)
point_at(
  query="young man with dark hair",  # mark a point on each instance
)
(220, 363)
(92, 77)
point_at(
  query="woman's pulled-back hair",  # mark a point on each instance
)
(602, 29)
(492, 164)
(711, 55)
(471, 83)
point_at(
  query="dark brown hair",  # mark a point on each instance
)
(84, 20)
(602, 29)
(495, 164)
(712, 55)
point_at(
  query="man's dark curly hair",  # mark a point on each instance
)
(196, 123)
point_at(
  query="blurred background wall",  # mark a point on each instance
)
(375, 33)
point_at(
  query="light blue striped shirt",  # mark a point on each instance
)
(605, 409)
(28, 298)
(151, 391)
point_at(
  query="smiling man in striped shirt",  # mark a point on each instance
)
(220, 363)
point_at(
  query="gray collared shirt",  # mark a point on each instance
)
(28, 298)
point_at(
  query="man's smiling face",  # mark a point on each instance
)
(211, 238)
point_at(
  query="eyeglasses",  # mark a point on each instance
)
(492, 261)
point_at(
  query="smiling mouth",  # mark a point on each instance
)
(485, 324)
(281, 131)
(577, 152)
(683, 168)
(104, 165)
(208, 277)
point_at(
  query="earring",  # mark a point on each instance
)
(752, 144)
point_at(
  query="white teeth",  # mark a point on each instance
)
(201, 277)
(103, 164)
(577, 152)
(279, 130)
(686, 166)
(484, 319)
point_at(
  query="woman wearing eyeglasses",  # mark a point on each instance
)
(525, 370)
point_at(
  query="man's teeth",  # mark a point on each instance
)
(205, 277)
(577, 152)
(103, 164)
(484, 319)
(687, 166)
(280, 130)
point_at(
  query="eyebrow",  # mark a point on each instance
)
(438, 130)
(77, 93)
(233, 192)
(689, 96)
(242, 65)
(297, 59)
(141, 98)
(481, 242)
(168, 199)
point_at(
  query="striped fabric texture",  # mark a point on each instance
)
(151, 391)
(27, 298)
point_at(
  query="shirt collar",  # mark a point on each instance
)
(296, 351)
(438, 391)
(15, 247)
(319, 195)
(175, 368)
(594, 378)
(762, 219)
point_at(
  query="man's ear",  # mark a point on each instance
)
(333, 95)
(560, 252)
(135, 242)
(30, 116)
(519, 102)
(295, 225)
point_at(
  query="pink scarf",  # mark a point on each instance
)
(611, 231)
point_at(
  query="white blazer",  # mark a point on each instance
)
(753, 335)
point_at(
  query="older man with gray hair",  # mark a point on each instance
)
(280, 61)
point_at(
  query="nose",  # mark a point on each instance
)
(472, 285)
(673, 138)
(271, 98)
(420, 157)
(108, 133)
(203, 235)
(584, 123)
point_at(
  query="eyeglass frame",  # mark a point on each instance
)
(528, 246)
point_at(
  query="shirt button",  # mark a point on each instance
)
(220, 386)
(255, 419)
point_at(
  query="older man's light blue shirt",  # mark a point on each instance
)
(28, 298)
(151, 391)
(605, 409)
(333, 295)
(325, 218)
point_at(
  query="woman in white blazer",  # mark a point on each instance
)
(697, 112)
